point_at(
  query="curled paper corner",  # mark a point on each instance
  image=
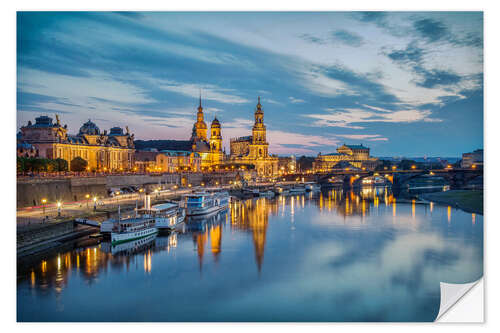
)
(454, 299)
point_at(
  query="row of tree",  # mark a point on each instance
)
(31, 164)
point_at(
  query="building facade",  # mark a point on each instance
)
(356, 155)
(102, 151)
(254, 150)
(473, 158)
(175, 161)
(210, 150)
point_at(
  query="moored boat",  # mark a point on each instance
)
(125, 230)
(167, 215)
(267, 194)
(297, 190)
(312, 187)
(202, 203)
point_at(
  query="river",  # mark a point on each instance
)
(326, 256)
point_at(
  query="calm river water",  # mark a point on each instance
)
(329, 256)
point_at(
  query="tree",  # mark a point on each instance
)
(78, 164)
(62, 164)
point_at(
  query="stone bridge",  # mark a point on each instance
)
(456, 178)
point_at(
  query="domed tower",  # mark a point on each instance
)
(259, 146)
(200, 125)
(89, 128)
(216, 141)
(90, 132)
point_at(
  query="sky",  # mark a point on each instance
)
(401, 83)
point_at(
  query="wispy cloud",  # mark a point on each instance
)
(365, 137)
(295, 100)
(208, 91)
(352, 117)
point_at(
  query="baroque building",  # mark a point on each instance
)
(357, 156)
(254, 150)
(210, 150)
(102, 151)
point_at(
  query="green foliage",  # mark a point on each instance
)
(78, 164)
(62, 165)
(31, 164)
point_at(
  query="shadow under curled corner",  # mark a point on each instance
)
(463, 302)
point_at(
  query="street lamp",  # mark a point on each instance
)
(87, 196)
(95, 203)
(59, 208)
(44, 201)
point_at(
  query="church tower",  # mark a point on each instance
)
(216, 141)
(259, 145)
(200, 128)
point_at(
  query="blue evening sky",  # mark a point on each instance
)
(402, 83)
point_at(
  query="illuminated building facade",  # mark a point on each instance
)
(356, 155)
(173, 161)
(102, 151)
(254, 150)
(210, 149)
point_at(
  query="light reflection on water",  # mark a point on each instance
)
(326, 256)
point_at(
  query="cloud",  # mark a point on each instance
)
(309, 143)
(295, 100)
(347, 38)
(350, 117)
(365, 137)
(208, 91)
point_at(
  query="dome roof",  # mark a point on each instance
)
(215, 123)
(89, 128)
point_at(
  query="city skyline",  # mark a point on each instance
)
(407, 83)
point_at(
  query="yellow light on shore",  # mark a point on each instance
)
(473, 166)
(393, 167)
(95, 199)
(413, 166)
(189, 185)
(44, 201)
(59, 204)
(87, 196)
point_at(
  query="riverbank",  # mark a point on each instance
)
(467, 200)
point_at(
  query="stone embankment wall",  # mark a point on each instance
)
(41, 232)
(30, 192)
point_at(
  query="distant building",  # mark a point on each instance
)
(254, 150)
(287, 165)
(473, 158)
(210, 150)
(174, 161)
(357, 156)
(26, 150)
(102, 151)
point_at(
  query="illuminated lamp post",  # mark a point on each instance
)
(44, 201)
(59, 204)
(87, 196)
(95, 203)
